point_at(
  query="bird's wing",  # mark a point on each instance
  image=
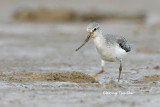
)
(119, 40)
(124, 44)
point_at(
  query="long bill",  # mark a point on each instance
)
(87, 39)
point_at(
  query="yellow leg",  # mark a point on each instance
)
(102, 65)
(101, 71)
(120, 69)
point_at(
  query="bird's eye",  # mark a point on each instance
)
(94, 29)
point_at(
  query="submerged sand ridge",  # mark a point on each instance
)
(76, 77)
(37, 46)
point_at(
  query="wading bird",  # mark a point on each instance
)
(110, 47)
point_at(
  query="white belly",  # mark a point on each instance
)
(109, 52)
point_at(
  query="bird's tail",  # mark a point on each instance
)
(130, 46)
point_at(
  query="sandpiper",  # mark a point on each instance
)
(110, 47)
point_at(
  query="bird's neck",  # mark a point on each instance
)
(98, 39)
(97, 34)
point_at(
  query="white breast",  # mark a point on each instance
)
(108, 52)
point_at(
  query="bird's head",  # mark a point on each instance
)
(93, 29)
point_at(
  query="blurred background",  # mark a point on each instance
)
(54, 28)
(40, 36)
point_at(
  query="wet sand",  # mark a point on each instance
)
(39, 66)
(29, 58)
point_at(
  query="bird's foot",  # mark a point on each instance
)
(95, 75)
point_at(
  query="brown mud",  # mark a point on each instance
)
(76, 77)
(40, 68)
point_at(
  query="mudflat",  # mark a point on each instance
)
(39, 66)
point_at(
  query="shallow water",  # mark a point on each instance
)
(52, 51)
(32, 53)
